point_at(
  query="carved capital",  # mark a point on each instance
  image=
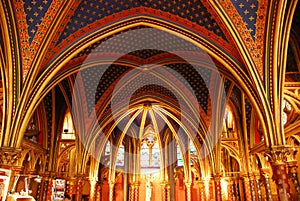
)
(9, 155)
(278, 155)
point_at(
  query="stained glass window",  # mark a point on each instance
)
(120, 157)
(145, 155)
(68, 129)
(155, 155)
(179, 156)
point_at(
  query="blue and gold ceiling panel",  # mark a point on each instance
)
(91, 77)
(247, 9)
(90, 11)
(35, 11)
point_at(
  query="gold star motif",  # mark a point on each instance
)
(252, 6)
(246, 12)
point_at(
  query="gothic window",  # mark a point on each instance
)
(68, 128)
(120, 157)
(155, 155)
(179, 157)
(145, 162)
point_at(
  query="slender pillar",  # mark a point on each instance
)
(230, 190)
(49, 190)
(93, 184)
(164, 187)
(71, 186)
(266, 178)
(201, 190)
(188, 185)
(294, 176)
(258, 186)
(218, 190)
(111, 190)
(79, 186)
(98, 191)
(278, 157)
(247, 188)
(134, 191)
(252, 187)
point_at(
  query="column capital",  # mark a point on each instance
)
(9, 156)
(278, 155)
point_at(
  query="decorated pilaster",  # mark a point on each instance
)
(252, 187)
(98, 191)
(230, 189)
(258, 185)
(266, 178)
(278, 157)
(111, 190)
(70, 187)
(49, 189)
(201, 190)
(188, 185)
(247, 188)
(79, 187)
(134, 191)
(164, 189)
(218, 190)
(294, 176)
(93, 184)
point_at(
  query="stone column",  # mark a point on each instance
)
(71, 186)
(201, 190)
(188, 185)
(134, 191)
(258, 185)
(218, 190)
(266, 178)
(252, 187)
(247, 188)
(165, 191)
(49, 189)
(230, 189)
(294, 176)
(98, 191)
(79, 186)
(111, 190)
(278, 157)
(93, 184)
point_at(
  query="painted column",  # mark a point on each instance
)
(218, 190)
(252, 187)
(49, 189)
(111, 190)
(230, 189)
(134, 191)
(93, 184)
(164, 188)
(266, 176)
(281, 179)
(79, 186)
(258, 185)
(201, 190)
(71, 186)
(247, 188)
(294, 176)
(278, 157)
(188, 185)
(98, 191)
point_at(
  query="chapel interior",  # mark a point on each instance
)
(150, 100)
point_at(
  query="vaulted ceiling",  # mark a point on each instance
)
(115, 50)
